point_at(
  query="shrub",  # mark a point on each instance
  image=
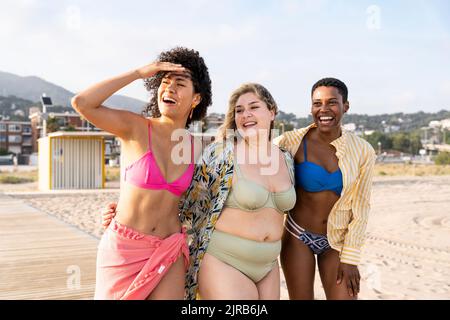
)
(442, 158)
(14, 179)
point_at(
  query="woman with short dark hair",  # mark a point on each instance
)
(333, 175)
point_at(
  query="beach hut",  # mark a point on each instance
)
(72, 160)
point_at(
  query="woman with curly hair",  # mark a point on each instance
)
(143, 254)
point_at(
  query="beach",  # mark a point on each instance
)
(407, 251)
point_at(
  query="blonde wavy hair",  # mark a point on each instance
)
(230, 120)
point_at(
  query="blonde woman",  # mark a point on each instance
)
(237, 203)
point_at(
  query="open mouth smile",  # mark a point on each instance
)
(169, 100)
(326, 120)
(249, 124)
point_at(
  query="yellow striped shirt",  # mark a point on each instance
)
(348, 218)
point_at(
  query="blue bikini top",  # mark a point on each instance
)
(315, 178)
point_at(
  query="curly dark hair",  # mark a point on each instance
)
(332, 82)
(191, 60)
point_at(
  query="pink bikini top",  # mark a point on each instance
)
(145, 173)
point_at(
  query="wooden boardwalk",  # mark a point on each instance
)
(42, 257)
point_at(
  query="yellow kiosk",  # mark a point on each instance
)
(72, 160)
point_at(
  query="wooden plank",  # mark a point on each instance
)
(42, 257)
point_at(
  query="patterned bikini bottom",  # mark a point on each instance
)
(318, 243)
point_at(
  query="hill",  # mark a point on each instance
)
(29, 89)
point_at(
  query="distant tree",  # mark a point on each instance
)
(377, 136)
(70, 128)
(286, 117)
(442, 158)
(279, 125)
(303, 122)
(3, 152)
(415, 143)
(401, 142)
(447, 136)
(407, 142)
(52, 125)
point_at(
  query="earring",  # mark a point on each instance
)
(192, 111)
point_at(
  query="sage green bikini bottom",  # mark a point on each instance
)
(255, 259)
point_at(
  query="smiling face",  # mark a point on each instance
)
(252, 115)
(176, 95)
(328, 108)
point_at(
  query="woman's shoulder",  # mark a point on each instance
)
(290, 140)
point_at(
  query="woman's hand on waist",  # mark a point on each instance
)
(108, 214)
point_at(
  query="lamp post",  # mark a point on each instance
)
(46, 102)
(379, 148)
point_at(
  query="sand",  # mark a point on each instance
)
(406, 255)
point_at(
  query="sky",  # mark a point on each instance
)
(392, 55)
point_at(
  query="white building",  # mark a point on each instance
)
(350, 127)
(445, 124)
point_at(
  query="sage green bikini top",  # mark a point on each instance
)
(248, 195)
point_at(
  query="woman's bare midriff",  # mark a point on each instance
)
(313, 209)
(153, 212)
(265, 225)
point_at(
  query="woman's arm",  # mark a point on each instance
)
(88, 102)
(351, 251)
(355, 236)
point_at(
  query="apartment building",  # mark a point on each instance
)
(64, 121)
(16, 137)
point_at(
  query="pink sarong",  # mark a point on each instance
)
(131, 264)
